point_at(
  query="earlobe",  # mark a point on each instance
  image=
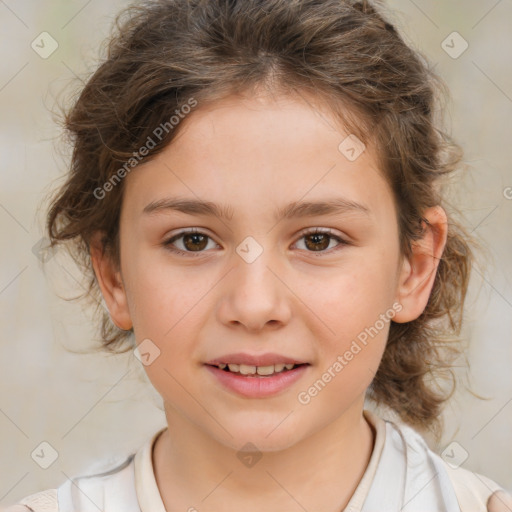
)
(418, 271)
(110, 282)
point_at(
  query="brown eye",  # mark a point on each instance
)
(190, 243)
(319, 241)
(195, 241)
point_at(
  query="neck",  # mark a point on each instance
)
(321, 472)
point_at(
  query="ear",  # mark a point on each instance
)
(418, 271)
(110, 282)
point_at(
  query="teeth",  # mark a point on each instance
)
(265, 370)
(246, 369)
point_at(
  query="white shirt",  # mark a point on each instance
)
(403, 474)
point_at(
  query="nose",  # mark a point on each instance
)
(255, 296)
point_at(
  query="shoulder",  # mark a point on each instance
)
(474, 492)
(109, 485)
(106, 481)
(500, 501)
(43, 501)
(475, 489)
(110, 488)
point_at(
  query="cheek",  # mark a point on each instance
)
(358, 313)
(353, 311)
(353, 296)
(168, 307)
(168, 310)
(160, 294)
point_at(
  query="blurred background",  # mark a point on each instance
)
(91, 406)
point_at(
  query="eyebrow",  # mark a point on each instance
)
(331, 206)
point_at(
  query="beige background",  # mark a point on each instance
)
(91, 406)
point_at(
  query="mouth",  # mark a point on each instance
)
(257, 371)
(257, 376)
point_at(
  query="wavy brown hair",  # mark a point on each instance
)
(347, 55)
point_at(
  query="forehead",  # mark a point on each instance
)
(300, 121)
(261, 150)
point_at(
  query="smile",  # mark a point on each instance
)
(263, 371)
(256, 381)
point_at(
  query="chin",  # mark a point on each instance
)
(268, 435)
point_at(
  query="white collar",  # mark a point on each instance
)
(403, 474)
(150, 499)
(420, 481)
(146, 488)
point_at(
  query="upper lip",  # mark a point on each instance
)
(267, 359)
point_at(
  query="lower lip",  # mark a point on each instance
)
(258, 387)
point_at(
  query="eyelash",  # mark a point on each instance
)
(316, 231)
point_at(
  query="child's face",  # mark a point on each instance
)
(256, 156)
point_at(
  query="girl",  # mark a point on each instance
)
(254, 192)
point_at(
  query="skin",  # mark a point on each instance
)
(500, 501)
(255, 155)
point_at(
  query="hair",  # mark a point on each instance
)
(165, 54)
